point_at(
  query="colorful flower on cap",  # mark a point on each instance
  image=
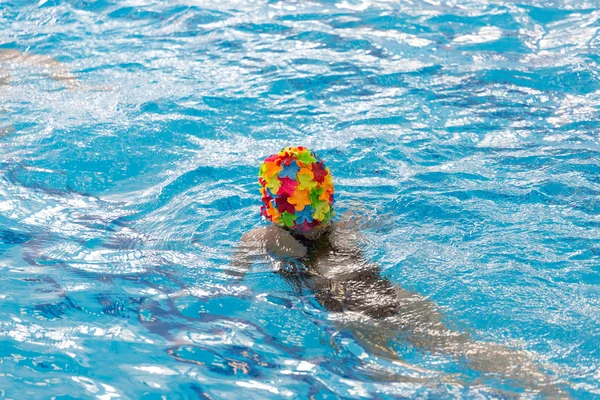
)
(297, 189)
(300, 199)
(287, 188)
(305, 215)
(289, 171)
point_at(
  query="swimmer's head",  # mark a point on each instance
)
(297, 190)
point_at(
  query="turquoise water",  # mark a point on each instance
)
(464, 132)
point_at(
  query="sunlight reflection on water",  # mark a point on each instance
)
(464, 131)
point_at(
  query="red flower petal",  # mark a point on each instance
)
(314, 223)
(287, 187)
(272, 157)
(319, 171)
(287, 159)
(304, 226)
(266, 199)
(283, 205)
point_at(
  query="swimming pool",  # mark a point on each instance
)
(465, 133)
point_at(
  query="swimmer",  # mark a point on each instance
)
(314, 252)
(53, 69)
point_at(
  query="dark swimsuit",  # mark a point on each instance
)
(365, 291)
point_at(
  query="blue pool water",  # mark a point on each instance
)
(464, 132)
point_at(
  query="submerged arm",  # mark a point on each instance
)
(260, 242)
(52, 68)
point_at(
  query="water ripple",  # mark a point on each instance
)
(463, 132)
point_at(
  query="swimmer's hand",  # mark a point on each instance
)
(260, 242)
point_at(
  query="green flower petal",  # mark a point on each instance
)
(314, 197)
(306, 157)
(288, 219)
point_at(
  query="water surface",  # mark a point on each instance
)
(464, 131)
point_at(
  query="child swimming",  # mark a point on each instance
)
(314, 252)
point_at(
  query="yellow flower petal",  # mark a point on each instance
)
(306, 182)
(299, 199)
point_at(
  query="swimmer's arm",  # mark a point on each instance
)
(54, 69)
(348, 221)
(262, 241)
(346, 235)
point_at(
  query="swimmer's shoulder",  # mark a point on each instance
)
(345, 236)
(342, 236)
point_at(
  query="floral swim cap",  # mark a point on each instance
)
(297, 189)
